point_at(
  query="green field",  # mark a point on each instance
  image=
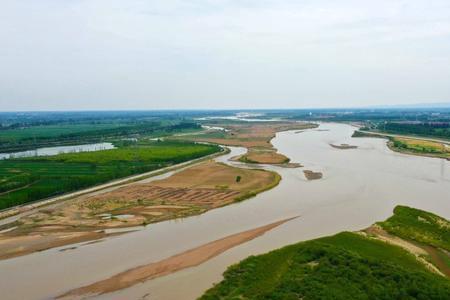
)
(344, 266)
(51, 131)
(417, 146)
(441, 130)
(29, 179)
(19, 139)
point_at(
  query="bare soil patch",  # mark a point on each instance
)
(311, 175)
(192, 191)
(256, 138)
(13, 246)
(264, 157)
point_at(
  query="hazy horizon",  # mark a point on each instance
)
(137, 55)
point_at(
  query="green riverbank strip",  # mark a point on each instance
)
(344, 266)
(412, 145)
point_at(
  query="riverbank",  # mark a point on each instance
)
(412, 145)
(419, 147)
(367, 264)
(11, 214)
(191, 191)
(255, 136)
(360, 186)
(25, 180)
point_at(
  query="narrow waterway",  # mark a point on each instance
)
(359, 187)
(58, 150)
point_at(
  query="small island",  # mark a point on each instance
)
(343, 146)
(311, 175)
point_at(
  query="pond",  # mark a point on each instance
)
(58, 150)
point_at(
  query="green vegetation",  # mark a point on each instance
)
(18, 139)
(431, 129)
(358, 133)
(344, 266)
(29, 179)
(51, 131)
(411, 145)
(416, 146)
(347, 266)
(420, 226)
(238, 178)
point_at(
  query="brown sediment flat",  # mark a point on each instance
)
(343, 146)
(381, 234)
(290, 165)
(264, 157)
(241, 158)
(311, 175)
(169, 265)
(436, 258)
(256, 138)
(27, 244)
(192, 191)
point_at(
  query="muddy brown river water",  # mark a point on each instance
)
(359, 187)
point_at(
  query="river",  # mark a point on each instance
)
(58, 150)
(359, 187)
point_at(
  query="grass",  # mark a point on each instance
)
(51, 131)
(19, 139)
(346, 266)
(358, 133)
(411, 145)
(420, 226)
(29, 179)
(420, 147)
(426, 129)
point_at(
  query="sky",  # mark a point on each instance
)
(194, 54)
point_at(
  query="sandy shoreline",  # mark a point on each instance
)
(192, 191)
(169, 265)
(256, 138)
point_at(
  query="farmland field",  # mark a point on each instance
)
(26, 138)
(421, 147)
(50, 131)
(30, 179)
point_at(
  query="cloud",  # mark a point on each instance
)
(69, 54)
